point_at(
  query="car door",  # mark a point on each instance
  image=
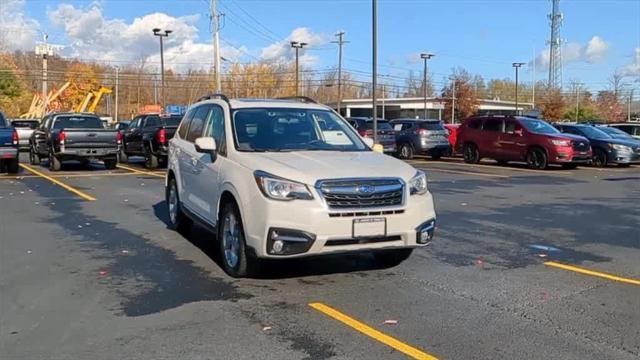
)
(39, 137)
(133, 136)
(512, 141)
(195, 198)
(489, 139)
(207, 170)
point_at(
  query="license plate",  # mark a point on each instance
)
(369, 227)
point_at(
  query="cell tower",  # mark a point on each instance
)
(555, 47)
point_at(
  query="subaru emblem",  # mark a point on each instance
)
(365, 189)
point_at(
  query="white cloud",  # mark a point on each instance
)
(92, 36)
(281, 51)
(632, 69)
(17, 30)
(594, 51)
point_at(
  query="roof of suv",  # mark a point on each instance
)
(418, 120)
(271, 103)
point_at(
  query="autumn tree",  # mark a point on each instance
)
(466, 99)
(551, 104)
(609, 107)
(83, 79)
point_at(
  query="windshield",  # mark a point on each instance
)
(78, 122)
(539, 126)
(431, 125)
(267, 129)
(616, 133)
(594, 133)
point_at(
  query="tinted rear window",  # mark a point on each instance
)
(382, 125)
(24, 124)
(431, 126)
(172, 120)
(78, 122)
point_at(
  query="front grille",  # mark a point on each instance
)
(362, 193)
(580, 146)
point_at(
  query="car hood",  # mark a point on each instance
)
(572, 137)
(629, 143)
(310, 166)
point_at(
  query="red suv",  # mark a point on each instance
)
(515, 138)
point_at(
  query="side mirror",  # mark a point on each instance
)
(206, 145)
(368, 142)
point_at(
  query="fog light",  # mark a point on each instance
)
(288, 241)
(278, 245)
(425, 232)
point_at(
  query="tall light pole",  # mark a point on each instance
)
(297, 45)
(517, 66)
(340, 43)
(158, 32)
(45, 50)
(215, 25)
(116, 92)
(425, 57)
(629, 106)
(453, 100)
(577, 99)
(374, 76)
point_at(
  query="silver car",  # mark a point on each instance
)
(25, 129)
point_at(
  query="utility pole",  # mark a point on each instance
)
(517, 66)
(45, 50)
(116, 93)
(215, 25)
(577, 99)
(425, 57)
(157, 32)
(453, 101)
(297, 45)
(340, 43)
(629, 106)
(533, 78)
(555, 47)
(374, 79)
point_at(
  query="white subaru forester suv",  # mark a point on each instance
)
(288, 178)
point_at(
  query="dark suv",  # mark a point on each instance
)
(606, 149)
(386, 135)
(511, 138)
(417, 136)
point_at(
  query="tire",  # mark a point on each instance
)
(12, 166)
(391, 258)
(178, 221)
(34, 159)
(236, 260)
(569, 166)
(122, 157)
(600, 158)
(162, 161)
(471, 154)
(436, 155)
(54, 163)
(537, 159)
(406, 151)
(110, 164)
(150, 160)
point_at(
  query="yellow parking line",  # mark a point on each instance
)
(408, 350)
(141, 172)
(592, 273)
(58, 182)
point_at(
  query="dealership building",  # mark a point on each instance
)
(394, 108)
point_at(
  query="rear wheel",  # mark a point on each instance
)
(471, 154)
(236, 260)
(122, 157)
(150, 160)
(54, 162)
(390, 258)
(537, 159)
(110, 164)
(34, 159)
(12, 166)
(406, 151)
(600, 158)
(177, 219)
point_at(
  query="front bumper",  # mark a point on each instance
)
(333, 231)
(567, 155)
(8, 153)
(620, 157)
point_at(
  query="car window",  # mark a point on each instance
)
(196, 125)
(475, 124)
(77, 122)
(173, 120)
(492, 125)
(431, 126)
(215, 129)
(593, 133)
(24, 124)
(152, 121)
(382, 125)
(510, 126)
(539, 126)
(184, 124)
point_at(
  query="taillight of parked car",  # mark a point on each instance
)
(62, 137)
(119, 137)
(14, 137)
(161, 136)
(424, 132)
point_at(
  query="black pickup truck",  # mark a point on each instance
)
(8, 146)
(148, 135)
(73, 136)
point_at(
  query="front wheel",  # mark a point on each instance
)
(34, 159)
(391, 258)
(54, 163)
(537, 159)
(177, 219)
(471, 154)
(600, 158)
(236, 260)
(406, 151)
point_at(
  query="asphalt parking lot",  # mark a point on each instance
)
(527, 264)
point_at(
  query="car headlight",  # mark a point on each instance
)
(561, 142)
(621, 148)
(277, 188)
(418, 184)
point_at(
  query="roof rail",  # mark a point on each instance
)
(210, 96)
(303, 99)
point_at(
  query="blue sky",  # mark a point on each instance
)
(484, 37)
